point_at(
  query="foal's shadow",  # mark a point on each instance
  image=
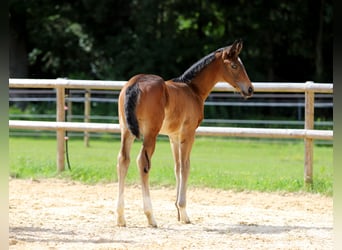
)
(245, 228)
(36, 234)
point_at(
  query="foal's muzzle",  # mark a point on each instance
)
(246, 93)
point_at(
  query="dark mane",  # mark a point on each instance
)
(191, 72)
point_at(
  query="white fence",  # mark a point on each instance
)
(308, 133)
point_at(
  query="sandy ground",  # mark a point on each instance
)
(59, 214)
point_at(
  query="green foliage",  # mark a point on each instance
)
(217, 163)
(284, 40)
(33, 109)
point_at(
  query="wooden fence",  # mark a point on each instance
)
(60, 126)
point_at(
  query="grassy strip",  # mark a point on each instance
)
(215, 163)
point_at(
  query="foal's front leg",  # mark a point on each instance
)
(181, 152)
(181, 195)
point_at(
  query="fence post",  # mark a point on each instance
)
(308, 142)
(86, 115)
(69, 106)
(60, 105)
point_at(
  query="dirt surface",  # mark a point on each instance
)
(58, 214)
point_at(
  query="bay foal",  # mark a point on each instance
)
(149, 106)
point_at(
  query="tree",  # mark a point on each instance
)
(284, 41)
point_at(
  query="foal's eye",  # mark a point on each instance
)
(234, 66)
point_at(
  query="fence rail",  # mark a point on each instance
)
(117, 85)
(204, 131)
(60, 126)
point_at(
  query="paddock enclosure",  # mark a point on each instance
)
(60, 214)
(308, 133)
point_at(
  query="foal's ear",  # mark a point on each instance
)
(232, 52)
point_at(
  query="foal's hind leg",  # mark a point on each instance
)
(144, 165)
(122, 166)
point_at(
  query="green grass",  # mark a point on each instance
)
(217, 163)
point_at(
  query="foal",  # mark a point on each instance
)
(149, 106)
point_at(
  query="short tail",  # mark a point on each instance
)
(131, 99)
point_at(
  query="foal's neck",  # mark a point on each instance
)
(204, 81)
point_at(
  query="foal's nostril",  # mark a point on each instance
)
(250, 90)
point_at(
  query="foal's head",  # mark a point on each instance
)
(233, 70)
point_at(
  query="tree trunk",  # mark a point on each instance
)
(18, 62)
(319, 58)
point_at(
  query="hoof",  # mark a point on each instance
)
(150, 219)
(182, 216)
(186, 222)
(121, 222)
(153, 225)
